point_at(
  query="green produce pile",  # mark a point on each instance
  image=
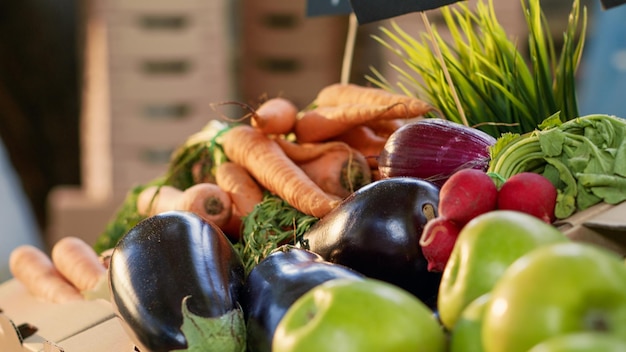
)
(583, 157)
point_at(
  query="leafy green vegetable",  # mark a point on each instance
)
(583, 157)
(498, 88)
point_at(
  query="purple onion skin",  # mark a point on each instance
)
(433, 149)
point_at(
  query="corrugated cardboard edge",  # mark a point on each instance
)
(602, 224)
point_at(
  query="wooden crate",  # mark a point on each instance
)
(284, 52)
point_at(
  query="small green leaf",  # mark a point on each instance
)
(226, 333)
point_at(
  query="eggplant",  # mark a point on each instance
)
(171, 264)
(376, 231)
(276, 282)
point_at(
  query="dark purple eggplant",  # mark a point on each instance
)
(376, 231)
(276, 283)
(168, 258)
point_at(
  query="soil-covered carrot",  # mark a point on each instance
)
(243, 189)
(275, 116)
(339, 172)
(269, 165)
(324, 122)
(78, 262)
(35, 270)
(347, 93)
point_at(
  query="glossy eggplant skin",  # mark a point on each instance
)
(376, 231)
(276, 283)
(160, 261)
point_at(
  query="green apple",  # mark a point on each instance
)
(364, 315)
(485, 247)
(581, 342)
(466, 334)
(554, 290)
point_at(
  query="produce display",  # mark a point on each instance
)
(375, 219)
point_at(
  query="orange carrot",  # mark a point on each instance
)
(363, 139)
(206, 200)
(233, 228)
(325, 122)
(341, 93)
(78, 263)
(339, 172)
(157, 199)
(244, 191)
(304, 152)
(385, 128)
(269, 165)
(275, 116)
(35, 270)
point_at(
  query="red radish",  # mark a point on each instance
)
(437, 241)
(467, 194)
(531, 193)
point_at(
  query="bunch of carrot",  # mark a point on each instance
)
(71, 270)
(362, 117)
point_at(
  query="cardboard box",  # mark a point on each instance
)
(68, 327)
(603, 224)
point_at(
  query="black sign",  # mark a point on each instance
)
(612, 3)
(328, 7)
(374, 10)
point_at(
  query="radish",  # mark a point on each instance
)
(531, 193)
(467, 194)
(437, 241)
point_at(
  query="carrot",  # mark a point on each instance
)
(341, 93)
(269, 165)
(244, 191)
(78, 263)
(333, 165)
(339, 172)
(324, 122)
(305, 152)
(233, 228)
(275, 116)
(384, 128)
(206, 200)
(35, 270)
(157, 199)
(364, 140)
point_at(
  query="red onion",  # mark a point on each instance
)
(433, 149)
